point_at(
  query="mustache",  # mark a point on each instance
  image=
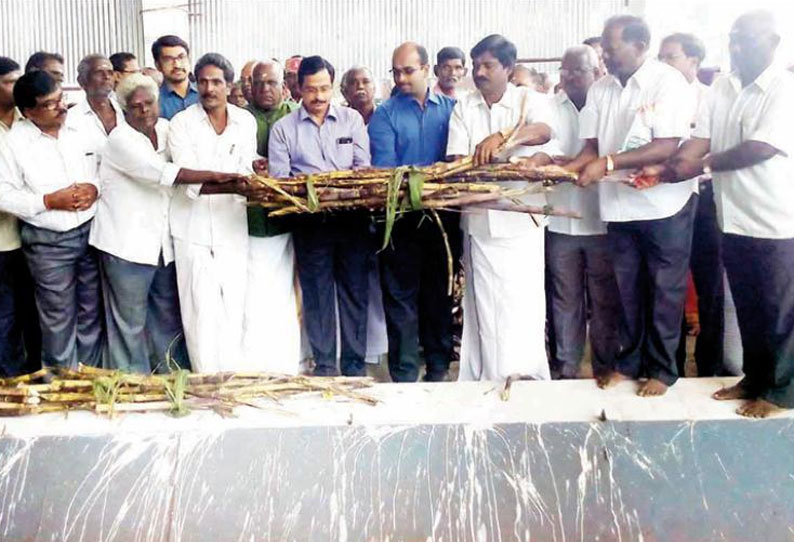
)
(318, 102)
(481, 79)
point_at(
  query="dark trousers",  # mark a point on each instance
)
(761, 276)
(68, 296)
(20, 334)
(414, 280)
(332, 254)
(142, 315)
(651, 259)
(579, 264)
(707, 274)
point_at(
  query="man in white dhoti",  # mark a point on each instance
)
(504, 303)
(210, 232)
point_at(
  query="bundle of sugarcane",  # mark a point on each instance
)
(108, 392)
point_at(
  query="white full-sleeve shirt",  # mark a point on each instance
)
(35, 164)
(568, 196)
(656, 103)
(83, 119)
(9, 229)
(471, 122)
(218, 219)
(756, 201)
(132, 220)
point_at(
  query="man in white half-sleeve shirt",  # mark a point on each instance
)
(685, 53)
(132, 232)
(503, 331)
(635, 116)
(745, 123)
(211, 231)
(577, 250)
(47, 181)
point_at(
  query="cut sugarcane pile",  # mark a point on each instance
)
(108, 392)
(442, 185)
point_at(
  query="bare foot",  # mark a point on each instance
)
(611, 379)
(758, 408)
(737, 391)
(652, 388)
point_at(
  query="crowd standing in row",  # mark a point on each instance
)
(125, 216)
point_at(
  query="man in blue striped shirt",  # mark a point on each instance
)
(411, 129)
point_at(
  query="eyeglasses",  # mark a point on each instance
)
(128, 71)
(52, 105)
(179, 59)
(408, 70)
(577, 72)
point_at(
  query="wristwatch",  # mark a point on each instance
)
(610, 163)
(706, 165)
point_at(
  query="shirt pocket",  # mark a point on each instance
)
(641, 128)
(344, 152)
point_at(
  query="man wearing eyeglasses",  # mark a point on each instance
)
(48, 181)
(450, 69)
(577, 252)
(172, 57)
(411, 129)
(124, 64)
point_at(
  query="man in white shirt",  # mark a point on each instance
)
(635, 116)
(96, 116)
(131, 230)
(503, 330)
(685, 52)
(211, 231)
(743, 138)
(577, 252)
(46, 180)
(20, 336)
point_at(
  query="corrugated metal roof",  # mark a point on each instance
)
(349, 32)
(73, 28)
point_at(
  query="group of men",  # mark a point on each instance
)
(125, 216)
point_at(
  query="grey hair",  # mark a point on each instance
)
(133, 82)
(84, 67)
(349, 73)
(277, 67)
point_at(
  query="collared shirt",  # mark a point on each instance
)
(172, 103)
(9, 229)
(655, 103)
(218, 219)
(297, 145)
(402, 132)
(457, 94)
(755, 201)
(83, 119)
(132, 217)
(471, 122)
(36, 164)
(259, 225)
(567, 196)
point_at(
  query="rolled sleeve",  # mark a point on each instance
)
(458, 142)
(15, 198)
(139, 160)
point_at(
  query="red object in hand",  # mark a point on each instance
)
(641, 182)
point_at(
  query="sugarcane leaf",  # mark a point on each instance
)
(313, 202)
(416, 182)
(392, 201)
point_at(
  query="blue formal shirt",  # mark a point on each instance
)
(297, 145)
(172, 103)
(403, 133)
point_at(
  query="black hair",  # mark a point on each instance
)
(38, 59)
(592, 41)
(167, 41)
(119, 60)
(314, 64)
(500, 47)
(634, 28)
(7, 65)
(31, 86)
(217, 60)
(450, 53)
(690, 44)
(424, 58)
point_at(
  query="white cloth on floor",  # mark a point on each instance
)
(212, 287)
(504, 308)
(271, 329)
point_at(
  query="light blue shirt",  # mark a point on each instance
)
(298, 145)
(401, 132)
